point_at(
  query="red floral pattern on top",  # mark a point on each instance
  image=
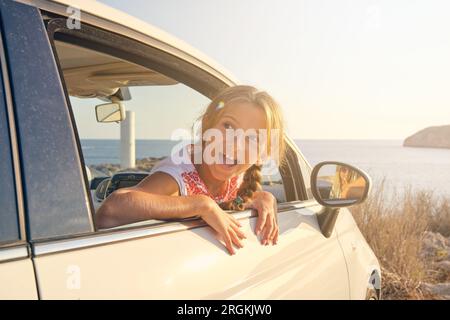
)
(195, 185)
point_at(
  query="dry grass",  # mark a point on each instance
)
(395, 231)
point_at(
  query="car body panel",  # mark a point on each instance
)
(361, 261)
(17, 274)
(193, 264)
(17, 279)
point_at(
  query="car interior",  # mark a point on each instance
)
(91, 74)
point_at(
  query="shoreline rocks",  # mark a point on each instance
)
(436, 253)
(144, 164)
(431, 137)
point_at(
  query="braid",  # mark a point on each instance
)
(250, 184)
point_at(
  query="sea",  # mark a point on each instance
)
(399, 168)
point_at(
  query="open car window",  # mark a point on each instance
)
(162, 110)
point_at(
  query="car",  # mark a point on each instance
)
(49, 245)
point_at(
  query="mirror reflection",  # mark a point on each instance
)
(340, 184)
(109, 112)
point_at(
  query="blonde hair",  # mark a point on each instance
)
(338, 182)
(274, 120)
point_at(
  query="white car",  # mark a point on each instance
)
(49, 246)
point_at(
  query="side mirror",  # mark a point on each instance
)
(110, 112)
(335, 185)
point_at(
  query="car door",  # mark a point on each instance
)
(17, 279)
(180, 259)
(363, 266)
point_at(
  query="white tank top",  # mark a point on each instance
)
(179, 166)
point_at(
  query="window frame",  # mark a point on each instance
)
(147, 55)
(14, 152)
(305, 170)
(100, 40)
(291, 175)
(42, 142)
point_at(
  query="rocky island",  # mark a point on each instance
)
(431, 137)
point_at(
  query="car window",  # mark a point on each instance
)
(273, 183)
(9, 225)
(162, 112)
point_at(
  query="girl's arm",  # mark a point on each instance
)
(354, 189)
(155, 197)
(129, 205)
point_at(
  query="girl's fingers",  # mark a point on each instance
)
(274, 229)
(267, 230)
(235, 238)
(235, 221)
(275, 239)
(274, 232)
(262, 217)
(228, 243)
(239, 232)
(275, 210)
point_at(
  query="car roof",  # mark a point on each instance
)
(108, 13)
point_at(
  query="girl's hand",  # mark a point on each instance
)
(266, 205)
(226, 225)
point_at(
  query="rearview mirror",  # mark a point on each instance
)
(336, 184)
(110, 112)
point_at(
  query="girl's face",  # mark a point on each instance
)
(344, 174)
(248, 118)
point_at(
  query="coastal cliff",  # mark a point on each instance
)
(431, 137)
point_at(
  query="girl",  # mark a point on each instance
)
(185, 187)
(347, 184)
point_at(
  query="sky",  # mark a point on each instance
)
(341, 69)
